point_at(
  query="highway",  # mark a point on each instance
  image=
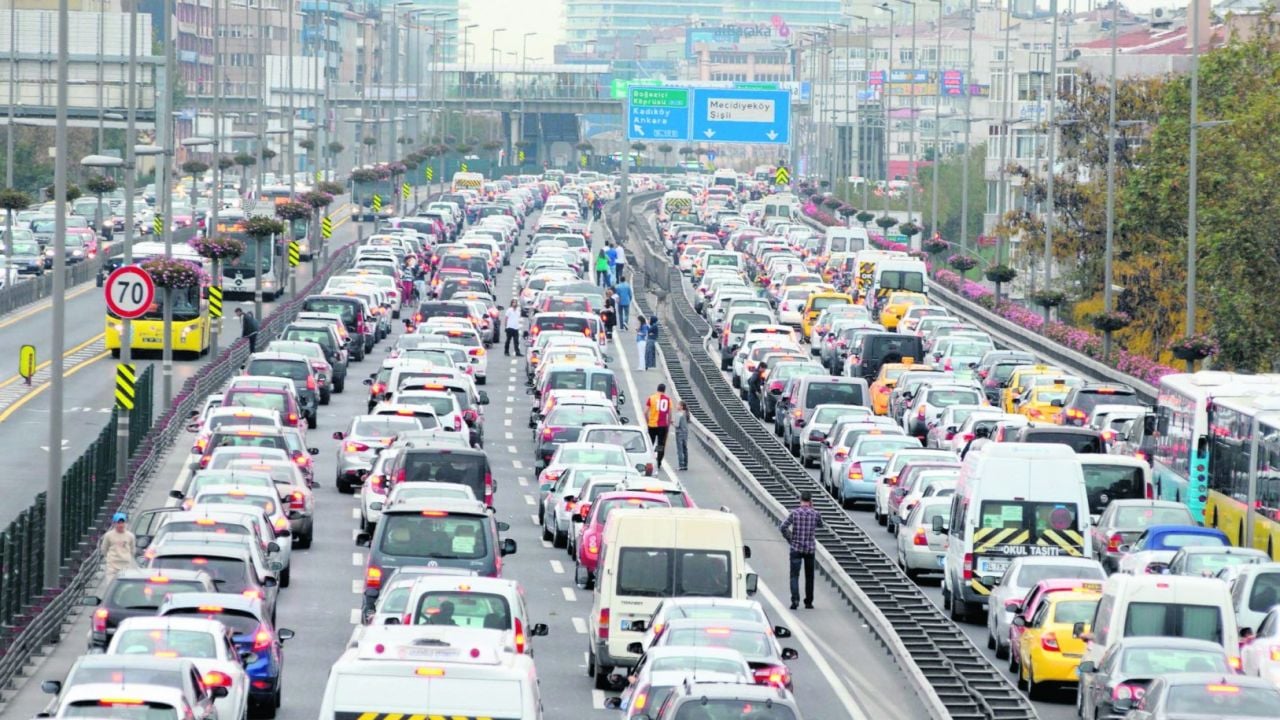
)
(90, 380)
(1062, 705)
(842, 671)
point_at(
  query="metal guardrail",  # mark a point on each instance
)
(25, 291)
(32, 617)
(1012, 335)
(951, 675)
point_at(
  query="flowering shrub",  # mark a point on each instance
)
(173, 274)
(293, 211)
(317, 198)
(963, 263)
(1077, 339)
(263, 226)
(1110, 321)
(219, 247)
(987, 241)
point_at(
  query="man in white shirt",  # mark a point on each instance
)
(620, 265)
(511, 321)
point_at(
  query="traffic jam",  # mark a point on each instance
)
(1020, 496)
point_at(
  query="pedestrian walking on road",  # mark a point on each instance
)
(657, 410)
(801, 529)
(651, 344)
(511, 322)
(118, 547)
(623, 290)
(248, 328)
(610, 314)
(642, 341)
(611, 254)
(602, 269)
(619, 263)
(682, 436)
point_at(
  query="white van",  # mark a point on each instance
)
(432, 671)
(900, 272)
(845, 240)
(468, 181)
(1011, 500)
(781, 206)
(657, 553)
(1182, 606)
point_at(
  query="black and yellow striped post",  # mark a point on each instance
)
(405, 190)
(463, 166)
(326, 227)
(377, 203)
(295, 253)
(215, 301)
(158, 225)
(126, 386)
(431, 174)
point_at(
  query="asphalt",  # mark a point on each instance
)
(842, 671)
(89, 386)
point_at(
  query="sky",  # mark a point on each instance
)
(544, 17)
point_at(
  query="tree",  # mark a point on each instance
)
(951, 193)
(12, 201)
(225, 163)
(73, 192)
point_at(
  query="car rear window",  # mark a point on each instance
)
(170, 641)
(820, 393)
(1105, 483)
(228, 573)
(446, 536)
(649, 572)
(1078, 442)
(264, 400)
(239, 622)
(446, 466)
(347, 310)
(463, 609)
(294, 370)
(137, 594)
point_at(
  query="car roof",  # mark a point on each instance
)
(450, 505)
(231, 601)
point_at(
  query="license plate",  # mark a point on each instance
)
(992, 566)
(942, 560)
(624, 624)
(427, 653)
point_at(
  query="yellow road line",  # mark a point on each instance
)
(42, 306)
(20, 402)
(9, 381)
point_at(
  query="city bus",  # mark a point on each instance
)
(1231, 425)
(190, 311)
(1181, 465)
(239, 275)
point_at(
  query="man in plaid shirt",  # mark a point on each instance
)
(799, 529)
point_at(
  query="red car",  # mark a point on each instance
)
(591, 529)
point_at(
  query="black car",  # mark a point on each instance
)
(1080, 440)
(1080, 401)
(138, 593)
(876, 349)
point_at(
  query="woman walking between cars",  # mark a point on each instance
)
(651, 344)
(602, 269)
(642, 341)
(610, 314)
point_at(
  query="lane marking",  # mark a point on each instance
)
(545, 543)
(528, 500)
(557, 567)
(35, 392)
(597, 699)
(355, 513)
(512, 448)
(355, 616)
(579, 625)
(510, 436)
(524, 481)
(517, 464)
(510, 410)
(569, 595)
(357, 559)
(534, 519)
(357, 587)
(42, 306)
(507, 423)
(66, 354)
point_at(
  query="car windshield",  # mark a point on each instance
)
(1265, 592)
(146, 594)
(1070, 612)
(821, 393)
(384, 426)
(1151, 662)
(182, 643)
(229, 574)
(730, 709)
(1209, 563)
(238, 621)
(266, 401)
(593, 456)
(580, 417)
(440, 404)
(632, 441)
(463, 609)
(947, 398)
(1029, 575)
(884, 446)
(752, 644)
(1222, 700)
(608, 506)
(291, 369)
(433, 534)
(1177, 540)
(664, 572)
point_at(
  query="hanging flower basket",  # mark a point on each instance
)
(100, 184)
(1195, 347)
(935, 245)
(363, 175)
(885, 222)
(1110, 321)
(317, 198)
(963, 263)
(173, 274)
(395, 168)
(261, 226)
(293, 211)
(330, 188)
(1048, 298)
(219, 247)
(1000, 274)
(865, 217)
(831, 201)
(846, 210)
(909, 229)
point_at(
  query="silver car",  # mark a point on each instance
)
(633, 440)
(921, 549)
(359, 444)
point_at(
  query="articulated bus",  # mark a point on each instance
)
(190, 311)
(1231, 426)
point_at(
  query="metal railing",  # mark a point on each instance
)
(31, 616)
(26, 291)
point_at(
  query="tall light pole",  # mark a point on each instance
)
(937, 126)
(968, 128)
(130, 180)
(53, 492)
(326, 131)
(857, 110)
(912, 155)
(1006, 76)
(164, 183)
(493, 73)
(1193, 180)
(1107, 300)
(290, 109)
(101, 60)
(13, 102)
(1051, 216)
(462, 84)
(884, 90)
(395, 82)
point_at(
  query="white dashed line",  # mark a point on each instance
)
(597, 699)
(357, 559)
(528, 500)
(357, 587)
(524, 481)
(569, 595)
(507, 422)
(534, 519)
(510, 410)
(355, 616)
(355, 513)
(557, 567)
(517, 464)
(546, 544)
(510, 436)
(579, 625)
(512, 448)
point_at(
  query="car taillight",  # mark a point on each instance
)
(1236, 664)
(548, 434)
(1114, 542)
(213, 678)
(602, 628)
(593, 545)
(204, 461)
(488, 488)
(947, 365)
(841, 454)
(1049, 642)
(920, 539)
(373, 577)
(855, 471)
(376, 484)
(354, 447)
(920, 413)
(457, 422)
(100, 620)
(476, 352)
(1127, 692)
(301, 460)
(200, 444)
(519, 636)
(293, 418)
(775, 675)
(968, 567)
(470, 415)
(297, 501)
(261, 640)
(967, 437)
(311, 382)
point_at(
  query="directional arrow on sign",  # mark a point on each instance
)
(771, 135)
(639, 130)
(709, 133)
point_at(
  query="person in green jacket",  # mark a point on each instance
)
(602, 269)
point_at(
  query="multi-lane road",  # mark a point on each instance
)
(842, 671)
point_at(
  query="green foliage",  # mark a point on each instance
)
(195, 167)
(263, 226)
(307, 144)
(329, 187)
(14, 200)
(951, 192)
(245, 160)
(100, 184)
(999, 274)
(73, 192)
(336, 147)
(225, 163)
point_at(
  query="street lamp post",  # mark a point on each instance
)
(937, 127)
(290, 109)
(126, 354)
(1051, 216)
(1111, 180)
(887, 95)
(968, 127)
(462, 84)
(1006, 76)
(857, 111)
(493, 74)
(164, 194)
(53, 493)
(912, 155)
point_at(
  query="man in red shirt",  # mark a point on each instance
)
(657, 410)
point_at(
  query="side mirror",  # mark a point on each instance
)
(367, 381)
(193, 413)
(624, 420)
(484, 398)
(781, 631)
(1122, 704)
(91, 601)
(363, 539)
(1087, 667)
(789, 654)
(613, 703)
(51, 687)
(193, 427)
(539, 630)
(938, 525)
(218, 692)
(508, 547)
(313, 451)
(746, 552)
(1077, 630)
(177, 494)
(1014, 605)
(503, 526)
(753, 583)
(339, 435)
(285, 634)
(635, 648)
(1019, 621)
(273, 547)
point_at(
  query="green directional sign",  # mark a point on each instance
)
(755, 86)
(618, 88)
(660, 97)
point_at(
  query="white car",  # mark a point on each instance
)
(470, 339)
(207, 643)
(1022, 575)
(1259, 657)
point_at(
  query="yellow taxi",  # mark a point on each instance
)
(1018, 379)
(1048, 651)
(885, 382)
(1043, 403)
(818, 302)
(896, 304)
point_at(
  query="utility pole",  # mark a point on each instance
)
(937, 129)
(968, 129)
(1006, 75)
(1193, 179)
(164, 192)
(53, 492)
(130, 180)
(261, 142)
(1107, 299)
(215, 201)
(1051, 216)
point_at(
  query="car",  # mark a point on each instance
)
(138, 593)
(1255, 589)
(1159, 543)
(236, 567)
(590, 532)
(319, 363)
(928, 403)
(1050, 646)
(116, 700)
(294, 367)
(253, 632)
(1208, 561)
(756, 640)
(149, 526)
(360, 443)
(208, 644)
(1080, 402)
(661, 670)
(857, 478)
(1124, 673)
(565, 423)
(920, 547)
(1209, 695)
(1024, 573)
(632, 439)
(296, 495)
(477, 602)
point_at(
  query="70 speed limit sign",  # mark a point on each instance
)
(130, 292)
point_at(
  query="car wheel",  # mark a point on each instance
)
(881, 519)
(1013, 662)
(312, 421)
(482, 380)
(324, 398)
(339, 384)
(601, 676)
(1002, 650)
(304, 540)
(1035, 690)
(991, 639)
(285, 577)
(559, 539)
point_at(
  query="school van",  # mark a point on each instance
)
(432, 671)
(647, 555)
(468, 181)
(1011, 500)
(900, 272)
(1180, 606)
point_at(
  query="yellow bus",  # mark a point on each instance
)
(1231, 424)
(190, 312)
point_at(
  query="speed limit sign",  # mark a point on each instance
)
(130, 292)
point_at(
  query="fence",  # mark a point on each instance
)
(32, 616)
(25, 292)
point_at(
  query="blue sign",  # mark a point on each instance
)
(658, 113)
(742, 116)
